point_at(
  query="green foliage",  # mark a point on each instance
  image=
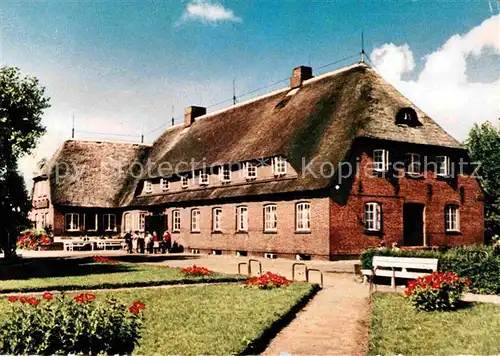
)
(399, 329)
(22, 102)
(483, 144)
(481, 264)
(62, 325)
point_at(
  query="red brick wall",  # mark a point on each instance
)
(286, 242)
(348, 235)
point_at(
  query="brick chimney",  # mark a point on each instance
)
(299, 75)
(191, 113)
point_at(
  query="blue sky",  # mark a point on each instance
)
(119, 66)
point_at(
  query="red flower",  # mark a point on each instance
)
(33, 301)
(197, 271)
(13, 298)
(268, 280)
(134, 310)
(84, 298)
(48, 296)
(102, 259)
(23, 299)
(139, 305)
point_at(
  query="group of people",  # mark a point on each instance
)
(150, 243)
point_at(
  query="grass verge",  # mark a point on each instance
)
(397, 328)
(217, 320)
(108, 276)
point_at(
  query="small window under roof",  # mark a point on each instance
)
(407, 116)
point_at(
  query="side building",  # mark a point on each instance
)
(322, 169)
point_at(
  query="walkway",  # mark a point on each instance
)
(335, 322)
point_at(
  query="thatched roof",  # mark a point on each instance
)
(318, 122)
(94, 173)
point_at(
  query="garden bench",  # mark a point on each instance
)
(400, 267)
(70, 245)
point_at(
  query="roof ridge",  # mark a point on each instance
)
(110, 141)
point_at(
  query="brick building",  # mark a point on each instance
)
(324, 168)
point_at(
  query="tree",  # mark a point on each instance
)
(484, 147)
(22, 102)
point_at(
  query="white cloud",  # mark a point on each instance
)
(442, 88)
(208, 12)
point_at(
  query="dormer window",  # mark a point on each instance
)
(407, 116)
(225, 174)
(279, 166)
(165, 184)
(250, 171)
(203, 178)
(443, 166)
(184, 182)
(148, 187)
(380, 160)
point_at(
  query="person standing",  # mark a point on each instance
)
(149, 242)
(167, 241)
(128, 241)
(135, 241)
(140, 242)
(156, 242)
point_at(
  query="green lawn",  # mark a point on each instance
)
(71, 275)
(218, 319)
(398, 329)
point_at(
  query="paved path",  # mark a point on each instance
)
(334, 322)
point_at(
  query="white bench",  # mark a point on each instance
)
(400, 267)
(70, 245)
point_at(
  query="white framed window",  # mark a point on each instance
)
(109, 222)
(443, 166)
(452, 218)
(165, 184)
(373, 216)
(184, 181)
(203, 180)
(36, 222)
(250, 171)
(72, 222)
(380, 160)
(176, 221)
(303, 216)
(217, 219)
(279, 166)
(127, 222)
(270, 218)
(414, 165)
(90, 222)
(148, 186)
(141, 221)
(195, 220)
(242, 218)
(225, 174)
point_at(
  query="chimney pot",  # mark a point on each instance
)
(191, 113)
(300, 74)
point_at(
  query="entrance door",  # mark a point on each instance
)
(413, 224)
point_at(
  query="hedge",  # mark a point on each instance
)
(479, 263)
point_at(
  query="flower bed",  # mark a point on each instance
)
(197, 271)
(31, 239)
(102, 259)
(61, 325)
(268, 280)
(437, 291)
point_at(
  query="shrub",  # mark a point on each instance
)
(197, 271)
(437, 291)
(479, 263)
(268, 280)
(62, 325)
